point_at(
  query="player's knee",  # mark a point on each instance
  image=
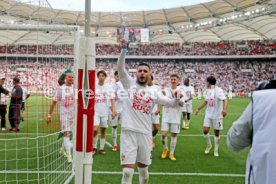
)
(143, 175)
(173, 134)
(127, 175)
(216, 132)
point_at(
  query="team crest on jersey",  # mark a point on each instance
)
(141, 103)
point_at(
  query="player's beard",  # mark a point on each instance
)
(142, 81)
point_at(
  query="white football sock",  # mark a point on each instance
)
(165, 142)
(102, 143)
(114, 136)
(127, 175)
(173, 144)
(95, 142)
(67, 145)
(216, 140)
(207, 139)
(143, 175)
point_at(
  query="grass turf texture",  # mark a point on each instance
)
(191, 164)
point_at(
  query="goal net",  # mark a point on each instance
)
(37, 55)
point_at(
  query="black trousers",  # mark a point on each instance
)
(14, 115)
(3, 112)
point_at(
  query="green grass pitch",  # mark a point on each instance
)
(191, 166)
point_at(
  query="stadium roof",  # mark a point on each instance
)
(212, 21)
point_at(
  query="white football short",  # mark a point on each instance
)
(135, 147)
(101, 121)
(66, 123)
(155, 119)
(216, 124)
(188, 108)
(174, 127)
(117, 120)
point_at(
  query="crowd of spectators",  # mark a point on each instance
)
(236, 75)
(37, 49)
(252, 47)
(232, 75)
(36, 75)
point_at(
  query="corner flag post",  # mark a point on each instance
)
(85, 103)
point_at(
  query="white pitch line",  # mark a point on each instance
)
(41, 134)
(174, 174)
(120, 173)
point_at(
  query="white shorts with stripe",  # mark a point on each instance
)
(101, 121)
(188, 108)
(116, 121)
(135, 147)
(216, 124)
(174, 127)
(66, 123)
(155, 119)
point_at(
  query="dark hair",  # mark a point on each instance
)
(212, 80)
(151, 76)
(101, 72)
(16, 79)
(144, 64)
(267, 85)
(174, 75)
(116, 73)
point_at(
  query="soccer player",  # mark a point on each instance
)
(101, 111)
(118, 88)
(136, 135)
(188, 107)
(154, 89)
(216, 109)
(65, 96)
(171, 119)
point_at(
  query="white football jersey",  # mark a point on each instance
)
(171, 114)
(138, 104)
(214, 98)
(189, 92)
(117, 87)
(65, 96)
(102, 98)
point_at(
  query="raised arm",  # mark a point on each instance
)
(240, 134)
(124, 76)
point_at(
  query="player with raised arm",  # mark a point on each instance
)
(136, 135)
(216, 109)
(65, 96)
(102, 95)
(188, 107)
(171, 119)
(155, 118)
